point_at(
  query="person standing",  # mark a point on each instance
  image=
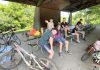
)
(50, 24)
(63, 26)
(64, 23)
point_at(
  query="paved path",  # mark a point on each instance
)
(68, 62)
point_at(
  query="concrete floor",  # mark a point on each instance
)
(68, 62)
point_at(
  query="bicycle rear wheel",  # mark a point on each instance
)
(2, 45)
(43, 63)
(16, 39)
(9, 59)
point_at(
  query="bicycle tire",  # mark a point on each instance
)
(10, 60)
(16, 39)
(43, 63)
(2, 45)
(85, 56)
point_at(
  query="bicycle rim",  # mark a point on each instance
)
(16, 39)
(2, 45)
(85, 56)
(10, 59)
(43, 63)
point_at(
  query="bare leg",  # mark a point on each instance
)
(83, 34)
(77, 37)
(66, 45)
(51, 54)
(60, 47)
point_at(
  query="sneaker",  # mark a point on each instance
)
(68, 52)
(60, 54)
(78, 41)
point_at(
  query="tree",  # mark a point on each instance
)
(89, 15)
(15, 14)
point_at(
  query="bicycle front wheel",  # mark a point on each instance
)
(16, 39)
(43, 63)
(9, 59)
(2, 45)
(85, 56)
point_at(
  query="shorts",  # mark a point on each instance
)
(45, 47)
(73, 33)
(61, 39)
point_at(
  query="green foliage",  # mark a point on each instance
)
(15, 14)
(89, 15)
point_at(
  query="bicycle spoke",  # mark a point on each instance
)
(9, 60)
(16, 39)
(2, 45)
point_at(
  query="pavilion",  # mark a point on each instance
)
(46, 9)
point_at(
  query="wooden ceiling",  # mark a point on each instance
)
(64, 5)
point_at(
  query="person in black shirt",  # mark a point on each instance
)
(63, 26)
(75, 32)
(64, 23)
(79, 22)
(80, 28)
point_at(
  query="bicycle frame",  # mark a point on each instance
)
(32, 56)
(12, 34)
(8, 38)
(2, 35)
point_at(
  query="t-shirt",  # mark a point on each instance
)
(75, 29)
(58, 35)
(64, 24)
(78, 23)
(45, 37)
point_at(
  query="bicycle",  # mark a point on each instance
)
(33, 42)
(2, 41)
(36, 46)
(31, 60)
(13, 36)
(6, 38)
